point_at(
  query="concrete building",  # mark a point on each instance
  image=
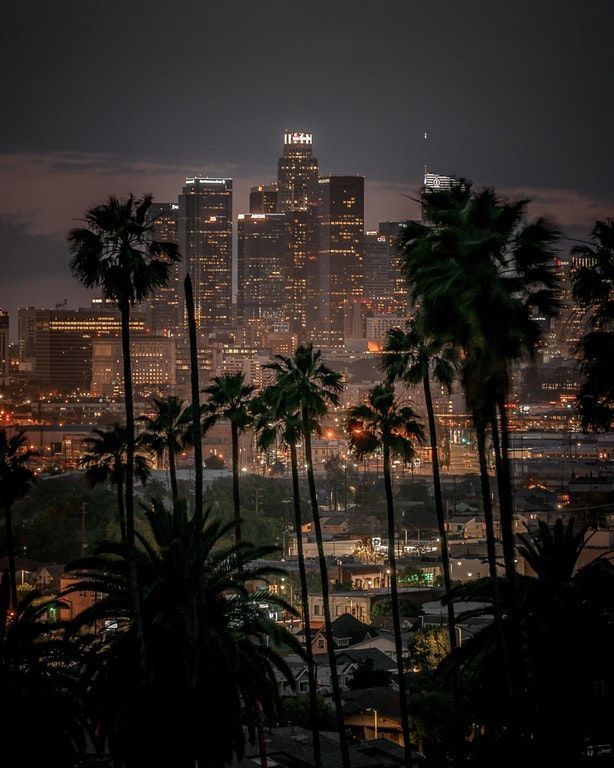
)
(63, 344)
(153, 365)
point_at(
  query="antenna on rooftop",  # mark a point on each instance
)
(426, 145)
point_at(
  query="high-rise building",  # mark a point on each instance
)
(263, 198)
(391, 231)
(379, 283)
(26, 327)
(300, 271)
(341, 252)
(164, 305)
(205, 243)
(63, 344)
(260, 255)
(4, 348)
(297, 172)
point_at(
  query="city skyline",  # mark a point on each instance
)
(534, 124)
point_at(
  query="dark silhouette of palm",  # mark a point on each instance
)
(15, 480)
(115, 251)
(414, 357)
(228, 398)
(382, 424)
(592, 285)
(481, 273)
(105, 462)
(274, 422)
(213, 650)
(168, 432)
(310, 389)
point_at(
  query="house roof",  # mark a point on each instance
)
(347, 625)
(360, 655)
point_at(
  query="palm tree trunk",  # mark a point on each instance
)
(441, 522)
(491, 549)
(10, 549)
(313, 699)
(196, 426)
(236, 506)
(261, 739)
(120, 510)
(173, 474)
(506, 503)
(332, 660)
(130, 541)
(396, 614)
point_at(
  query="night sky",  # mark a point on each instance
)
(119, 96)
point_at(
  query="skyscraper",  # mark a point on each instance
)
(341, 253)
(4, 347)
(297, 172)
(391, 230)
(263, 198)
(205, 244)
(260, 257)
(164, 304)
(300, 271)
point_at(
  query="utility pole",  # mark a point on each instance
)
(83, 544)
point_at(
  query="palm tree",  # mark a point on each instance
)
(592, 286)
(229, 398)
(15, 480)
(196, 410)
(273, 422)
(106, 461)
(476, 259)
(310, 388)
(114, 250)
(213, 649)
(414, 356)
(168, 432)
(382, 424)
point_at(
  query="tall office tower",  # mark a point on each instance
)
(391, 231)
(297, 172)
(341, 252)
(26, 326)
(4, 348)
(300, 271)
(379, 285)
(260, 256)
(263, 198)
(164, 305)
(205, 244)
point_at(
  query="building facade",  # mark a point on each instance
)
(340, 253)
(260, 256)
(205, 243)
(164, 305)
(297, 172)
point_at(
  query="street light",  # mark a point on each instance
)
(370, 709)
